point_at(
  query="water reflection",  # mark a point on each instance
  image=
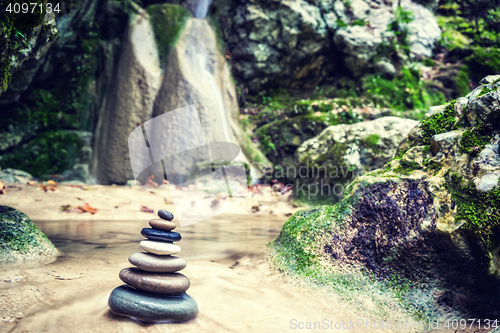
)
(209, 239)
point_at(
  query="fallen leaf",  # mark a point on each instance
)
(145, 209)
(78, 186)
(2, 188)
(66, 208)
(50, 186)
(87, 209)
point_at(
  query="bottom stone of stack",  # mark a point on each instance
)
(151, 307)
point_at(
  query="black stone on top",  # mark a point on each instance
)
(160, 235)
(165, 214)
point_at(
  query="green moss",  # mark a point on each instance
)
(168, 21)
(371, 141)
(407, 167)
(429, 62)
(18, 232)
(406, 91)
(484, 91)
(483, 62)
(47, 153)
(14, 30)
(474, 137)
(439, 123)
(462, 82)
(476, 208)
(450, 37)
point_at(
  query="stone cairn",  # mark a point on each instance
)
(153, 291)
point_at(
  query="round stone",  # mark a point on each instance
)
(160, 235)
(162, 224)
(165, 214)
(149, 307)
(160, 283)
(161, 248)
(152, 263)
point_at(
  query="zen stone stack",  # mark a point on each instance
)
(153, 290)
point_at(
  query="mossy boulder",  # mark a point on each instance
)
(343, 151)
(426, 225)
(21, 240)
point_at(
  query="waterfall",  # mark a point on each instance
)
(201, 8)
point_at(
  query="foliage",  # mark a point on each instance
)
(48, 153)
(483, 62)
(406, 91)
(399, 25)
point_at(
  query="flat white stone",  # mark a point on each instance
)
(160, 248)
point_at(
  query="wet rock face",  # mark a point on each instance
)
(427, 217)
(299, 43)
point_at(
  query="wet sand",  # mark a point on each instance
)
(231, 279)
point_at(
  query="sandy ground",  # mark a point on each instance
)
(231, 279)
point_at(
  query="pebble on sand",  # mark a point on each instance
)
(149, 307)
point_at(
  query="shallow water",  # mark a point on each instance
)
(230, 279)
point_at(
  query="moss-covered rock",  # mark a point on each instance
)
(21, 240)
(22, 36)
(426, 225)
(168, 22)
(341, 152)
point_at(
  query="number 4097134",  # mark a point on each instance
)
(32, 7)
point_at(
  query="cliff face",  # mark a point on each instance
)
(426, 220)
(101, 79)
(302, 43)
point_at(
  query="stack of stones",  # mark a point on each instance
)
(153, 291)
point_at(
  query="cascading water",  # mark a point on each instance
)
(196, 74)
(201, 8)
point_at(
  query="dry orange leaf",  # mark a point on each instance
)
(50, 186)
(87, 209)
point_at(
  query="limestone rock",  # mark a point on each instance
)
(342, 151)
(290, 42)
(429, 215)
(196, 74)
(359, 44)
(13, 176)
(129, 101)
(21, 240)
